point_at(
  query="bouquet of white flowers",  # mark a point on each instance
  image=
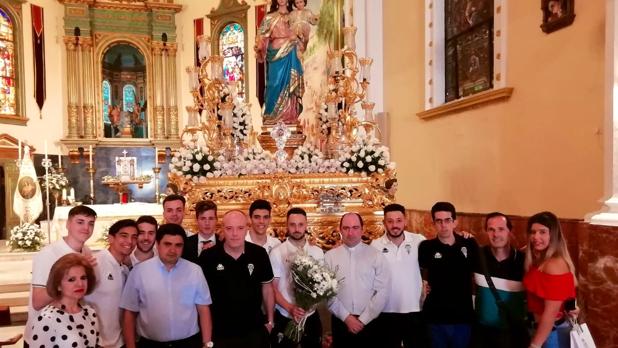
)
(194, 163)
(27, 237)
(313, 283)
(367, 156)
(56, 180)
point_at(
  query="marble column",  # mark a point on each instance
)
(72, 83)
(172, 131)
(87, 88)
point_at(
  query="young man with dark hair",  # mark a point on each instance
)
(401, 319)
(259, 213)
(447, 263)
(80, 226)
(240, 279)
(286, 309)
(176, 294)
(146, 237)
(364, 290)
(111, 274)
(174, 209)
(500, 325)
(205, 238)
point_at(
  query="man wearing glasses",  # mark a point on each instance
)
(447, 264)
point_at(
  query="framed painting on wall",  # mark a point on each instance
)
(557, 14)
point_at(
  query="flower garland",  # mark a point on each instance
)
(27, 237)
(195, 164)
(56, 180)
(366, 156)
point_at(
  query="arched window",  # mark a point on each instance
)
(128, 98)
(232, 48)
(11, 62)
(107, 100)
(7, 65)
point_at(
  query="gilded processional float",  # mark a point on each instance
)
(330, 167)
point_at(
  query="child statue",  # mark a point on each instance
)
(301, 19)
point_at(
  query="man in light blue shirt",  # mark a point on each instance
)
(164, 296)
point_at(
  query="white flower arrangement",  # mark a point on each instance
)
(309, 159)
(28, 237)
(195, 163)
(57, 180)
(313, 283)
(241, 120)
(367, 157)
(323, 120)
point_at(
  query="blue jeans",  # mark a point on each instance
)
(450, 335)
(560, 337)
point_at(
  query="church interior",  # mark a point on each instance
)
(495, 106)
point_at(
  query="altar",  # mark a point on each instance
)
(107, 214)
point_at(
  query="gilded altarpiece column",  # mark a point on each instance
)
(87, 88)
(72, 86)
(172, 92)
(159, 109)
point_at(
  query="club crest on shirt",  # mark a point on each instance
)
(220, 267)
(464, 251)
(250, 267)
(384, 251)
(408, 248)
(437, 256)
(110, 277)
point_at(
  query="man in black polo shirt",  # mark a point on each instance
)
(447, 263)
(239, 275)
(500, 325)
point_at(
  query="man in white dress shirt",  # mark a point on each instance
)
(365, 286)
(259, 213)
(146, 235)
(111, 275)
(281, 257)
(400, 320)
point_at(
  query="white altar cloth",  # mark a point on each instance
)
(106, 215)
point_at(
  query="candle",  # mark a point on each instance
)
(64, 194)
(59, 161)
(90, 154)
(19, 149)
(72, 195)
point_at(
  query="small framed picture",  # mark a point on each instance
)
(557, 14)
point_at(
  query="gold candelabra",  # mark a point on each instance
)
(348, 84)
(212, 97)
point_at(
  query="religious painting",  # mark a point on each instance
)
(557, 14)
(232, 48)
(124, 110)
(26, 187)
(468, 47)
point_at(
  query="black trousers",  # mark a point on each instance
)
(257, 338)
(409, 328)
(312, 336)
(194, 341)
(369, 337)
(485, 337)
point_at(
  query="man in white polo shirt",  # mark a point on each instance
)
(400, 320)
(281, 258)
(80, 225)
(111, 275)
(259, 213)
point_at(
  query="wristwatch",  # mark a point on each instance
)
(209, 344)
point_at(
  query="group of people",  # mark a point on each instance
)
(155, 287)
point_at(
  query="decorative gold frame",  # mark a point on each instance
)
(102, 42)
(230, 11)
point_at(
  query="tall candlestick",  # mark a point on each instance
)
(59, 161)
(156, 156)
(19, 149)
(72, 195)
(64, 194)
(90, 154)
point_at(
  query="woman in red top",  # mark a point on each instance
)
(549, 280)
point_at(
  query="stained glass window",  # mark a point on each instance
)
(107, 100)
(128, 98)
(469, 47)
(232, 46)
(7, 66)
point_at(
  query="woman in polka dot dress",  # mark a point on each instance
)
(66, 322)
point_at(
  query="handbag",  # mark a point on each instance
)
(580, 335)
(518, 326)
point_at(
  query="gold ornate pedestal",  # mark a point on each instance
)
(325, 197)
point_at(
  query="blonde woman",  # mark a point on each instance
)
(549, 281)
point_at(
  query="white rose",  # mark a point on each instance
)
(372, 168)
(368, 159)
(199, 157)
(206, 166)
(360, 164)
(196, 167)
